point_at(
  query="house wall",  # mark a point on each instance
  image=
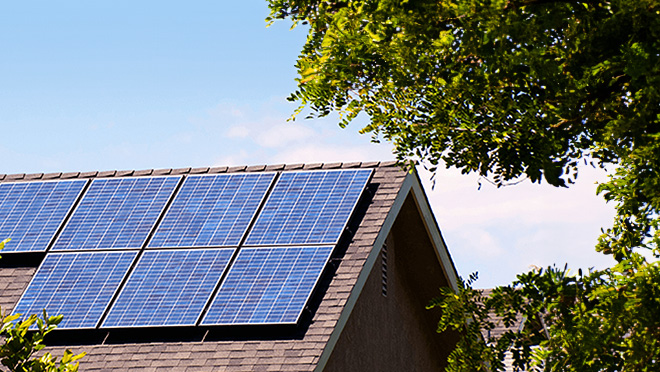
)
(396, 332)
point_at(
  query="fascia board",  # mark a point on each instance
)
(434, 233)
(410, 184)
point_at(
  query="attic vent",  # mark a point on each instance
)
(383, 260)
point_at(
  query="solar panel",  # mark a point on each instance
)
(212, 210)
(267, 285)
(308, 207)
(168, 288)
(116, 213)
(32, 212)
(78, 285)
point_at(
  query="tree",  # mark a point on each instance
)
(515, 89)
(21, 341)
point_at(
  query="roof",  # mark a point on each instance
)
(302, 349)
(500, 328)
(498, 321)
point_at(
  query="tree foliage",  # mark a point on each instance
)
(515, 89)
(21, 340)
(508, 89)
(605, 320)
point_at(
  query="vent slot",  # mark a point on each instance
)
(383, 260)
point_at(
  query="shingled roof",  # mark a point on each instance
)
(356, 302)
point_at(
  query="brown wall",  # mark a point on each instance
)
(397, 333)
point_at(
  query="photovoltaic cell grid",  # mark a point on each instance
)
(212, 210)
(308, 207)
(267, 285)
(116, 213)
(168, 288)
(32, 212)
(79, 285)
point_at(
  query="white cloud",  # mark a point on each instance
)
(228, 109)
(284, 134)
(320, 152)
(248, 134)
(528, 224)
(238, 158)
(525, 203)
(483, 244)
(185, 138)
(237, 131)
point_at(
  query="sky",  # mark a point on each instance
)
(109, 85)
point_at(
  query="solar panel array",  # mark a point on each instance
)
(268, 285)
(79, 285)
(308, 208)
(212, 210)
(168, 288)
(31, 212)
(225, 249)
(116, 213)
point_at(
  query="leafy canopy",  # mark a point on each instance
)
(509, 89)
(22, 342)
(515, 89)
(606, 320)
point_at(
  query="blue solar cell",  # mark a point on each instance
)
(32, 212)
(168, 288)
(308, 207)
(212, 210)
(267, 285)
(78, 285)
(116, 213)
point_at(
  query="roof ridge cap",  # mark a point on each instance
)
(14, 177)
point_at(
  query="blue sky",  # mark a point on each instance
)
(132, 85)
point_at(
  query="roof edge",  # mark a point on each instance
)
(411, 184)
(433, 229)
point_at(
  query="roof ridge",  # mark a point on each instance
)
(198, 170)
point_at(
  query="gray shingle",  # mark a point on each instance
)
(34, 176)
(218, 169)
(313, 166)
(370, 164)
(293, 166)
(331, 165)
(69, 175)
(15, 177)
(145, 172)
(90, 174)
(162, 172)
(275, 167)
(181, 171)
(199, 170)
(106, 174)
(355, 164)
(255, 168)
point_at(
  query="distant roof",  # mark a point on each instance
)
(500, 328)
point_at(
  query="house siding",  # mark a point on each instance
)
(396, 332)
